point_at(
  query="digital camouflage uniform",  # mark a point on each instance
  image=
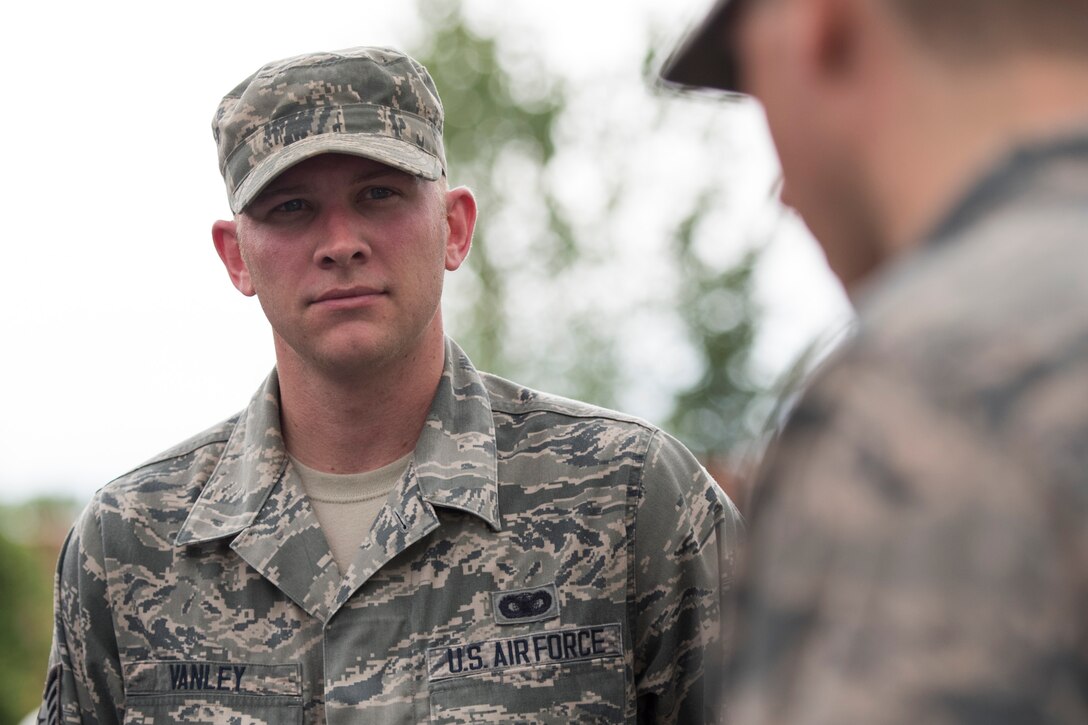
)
(920, 542)
(540, 561)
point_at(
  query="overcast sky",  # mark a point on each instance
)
(121, 333)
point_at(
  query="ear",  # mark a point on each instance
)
(832, 34)
(460, 221)
(225, 238)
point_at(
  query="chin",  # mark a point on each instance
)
(842, 224)
(360, 353)
(852, 256)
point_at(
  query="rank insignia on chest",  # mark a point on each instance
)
(521, 606)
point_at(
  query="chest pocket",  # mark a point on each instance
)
(199, 692)
(550, 677)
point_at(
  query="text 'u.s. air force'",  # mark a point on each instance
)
(539, 648)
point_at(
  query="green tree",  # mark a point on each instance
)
(719, 315)
(31, 535)
(496, 121)
(535, 303)
(25, 628)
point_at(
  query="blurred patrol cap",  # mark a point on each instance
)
(372, 102)
(706, 58)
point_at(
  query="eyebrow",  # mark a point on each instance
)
(277, 190)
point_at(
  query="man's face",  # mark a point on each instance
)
(347, 257)
(783, 64)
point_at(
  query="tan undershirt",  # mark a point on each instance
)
(346, 504)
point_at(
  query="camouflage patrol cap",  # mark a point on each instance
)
(707, 58)
(372, 102)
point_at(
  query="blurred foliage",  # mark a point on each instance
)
(501, 114)
(719, 315)
(30, 537)
(494, 119)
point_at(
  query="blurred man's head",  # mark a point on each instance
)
(883, 110)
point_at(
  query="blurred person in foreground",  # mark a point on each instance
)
(384, 535)
(919, 539)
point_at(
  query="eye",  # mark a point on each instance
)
(375, 193)
(290, 206)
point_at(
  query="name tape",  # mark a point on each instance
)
(541, 648)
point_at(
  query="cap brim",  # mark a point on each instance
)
(401, 155)
(706, 59)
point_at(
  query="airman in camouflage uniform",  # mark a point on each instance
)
(919, 540)
(539, 561)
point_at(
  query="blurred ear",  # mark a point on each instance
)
(831, 33)
(461, 221)
(225, 238)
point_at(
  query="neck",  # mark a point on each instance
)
(945, 130)
(359, 421)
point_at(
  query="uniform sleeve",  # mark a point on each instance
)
(687, 536)
(904, 569)
(84, 681)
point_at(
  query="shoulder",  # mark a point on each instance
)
(664, 475)
(985, 319)
(968, 359)
(524, 416)
(171, 479)
(513, 399)
(605, 434)
(1017, 274)
(970, 351)
(139, 513)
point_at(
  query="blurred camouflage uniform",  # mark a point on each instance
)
(920, 540)
(540, 561)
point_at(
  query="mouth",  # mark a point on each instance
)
(348, 296)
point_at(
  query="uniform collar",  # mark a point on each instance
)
(454, 459)
(455, 454)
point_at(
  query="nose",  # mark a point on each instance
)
(343, 240)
